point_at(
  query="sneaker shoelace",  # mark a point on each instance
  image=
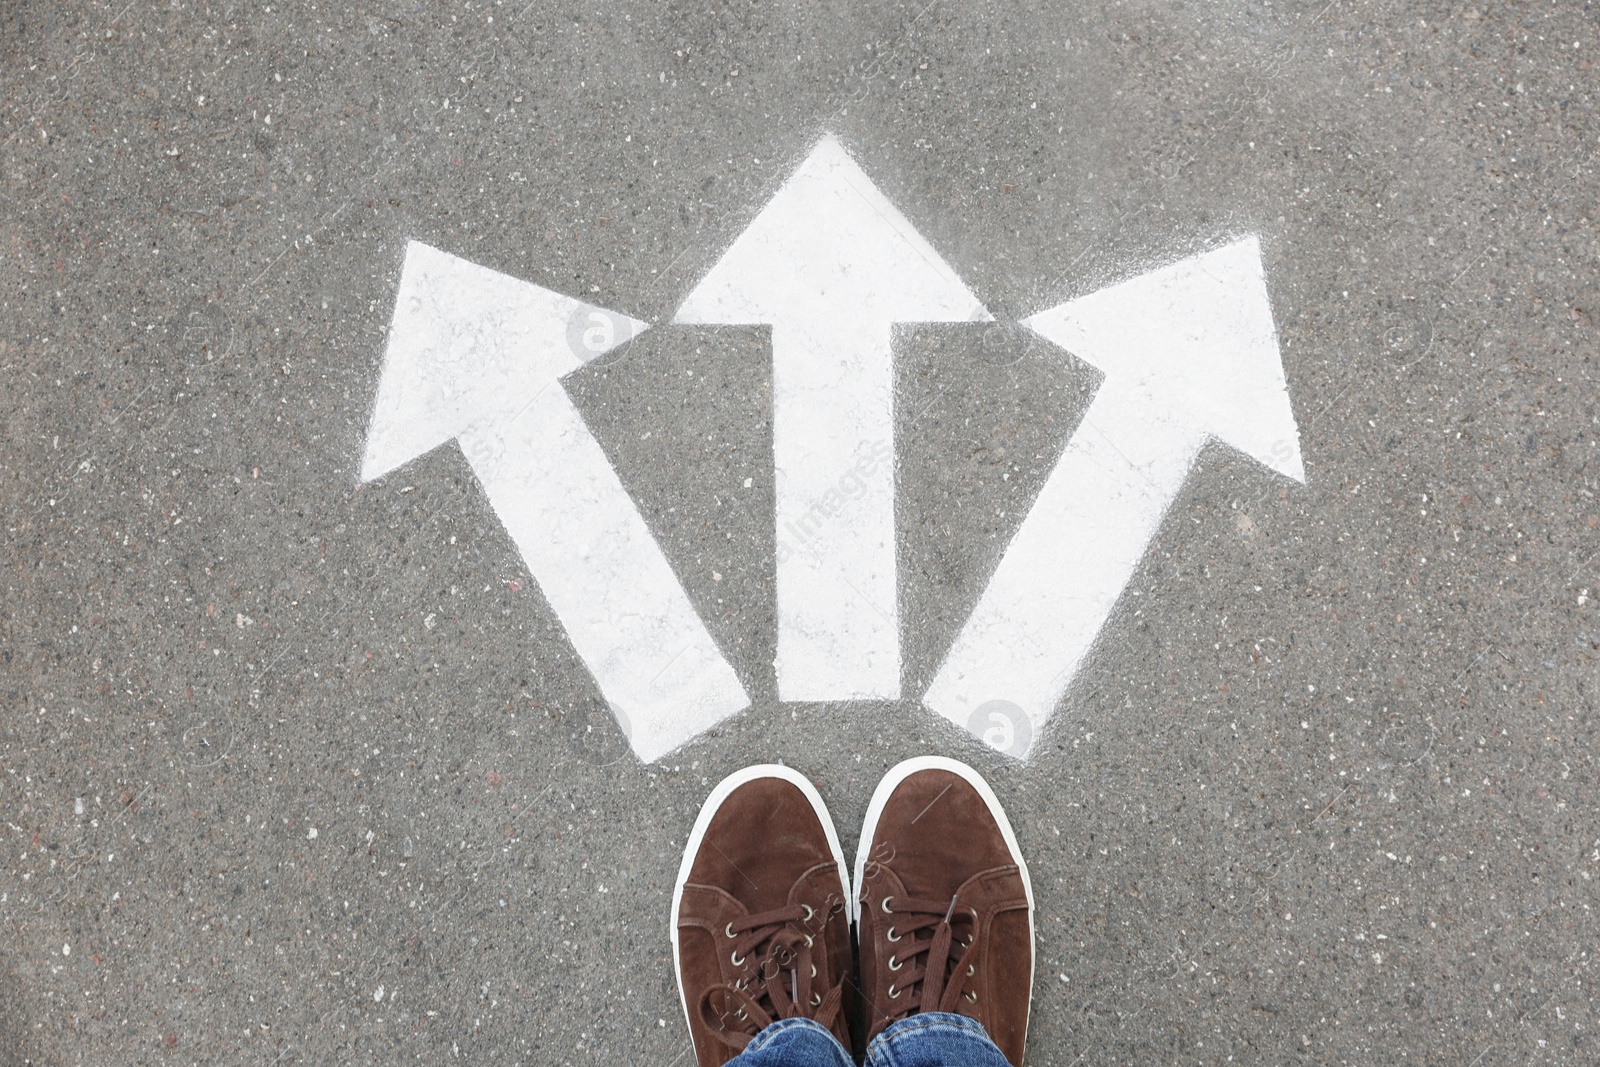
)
(932, 966)
(773, 950)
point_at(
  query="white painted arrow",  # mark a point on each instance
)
(477, 355)
(831, 266)
(1189, 353)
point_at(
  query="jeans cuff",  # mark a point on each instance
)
(879, 1051)
(772, 1030)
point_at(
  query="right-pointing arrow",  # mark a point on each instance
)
(477, 355)
(832, 266)
(1189, 353)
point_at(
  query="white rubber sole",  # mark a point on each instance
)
(703, 821)
(880, 798)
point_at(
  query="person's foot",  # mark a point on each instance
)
(944, 906)
(760, 916)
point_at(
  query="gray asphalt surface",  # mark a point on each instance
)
(299, 771)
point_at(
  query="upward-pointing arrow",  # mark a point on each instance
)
(1189, 353)
(831, 266)
(477, 355)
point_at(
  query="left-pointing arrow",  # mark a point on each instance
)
(831, 266)
(477, 356)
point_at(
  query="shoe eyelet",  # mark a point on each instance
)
(813, 970)
(894, 994)
(809, 941)
(894, 964)
(816, 1000)
(891, 935)
(971, 969)
(973, 997)
(736, 959)
(740, 984)
(809, 912)
(885, 904)
(741, 1016)
(729, 931)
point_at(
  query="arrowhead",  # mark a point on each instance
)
(1193, 343)
(830, 245)
(468, 344)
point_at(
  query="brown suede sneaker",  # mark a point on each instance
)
(944, 907)
(760, 916)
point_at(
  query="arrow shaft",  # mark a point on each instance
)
(1068, 563)
(833, 447)
(602, 572)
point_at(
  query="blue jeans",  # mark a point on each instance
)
(929, 1039)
